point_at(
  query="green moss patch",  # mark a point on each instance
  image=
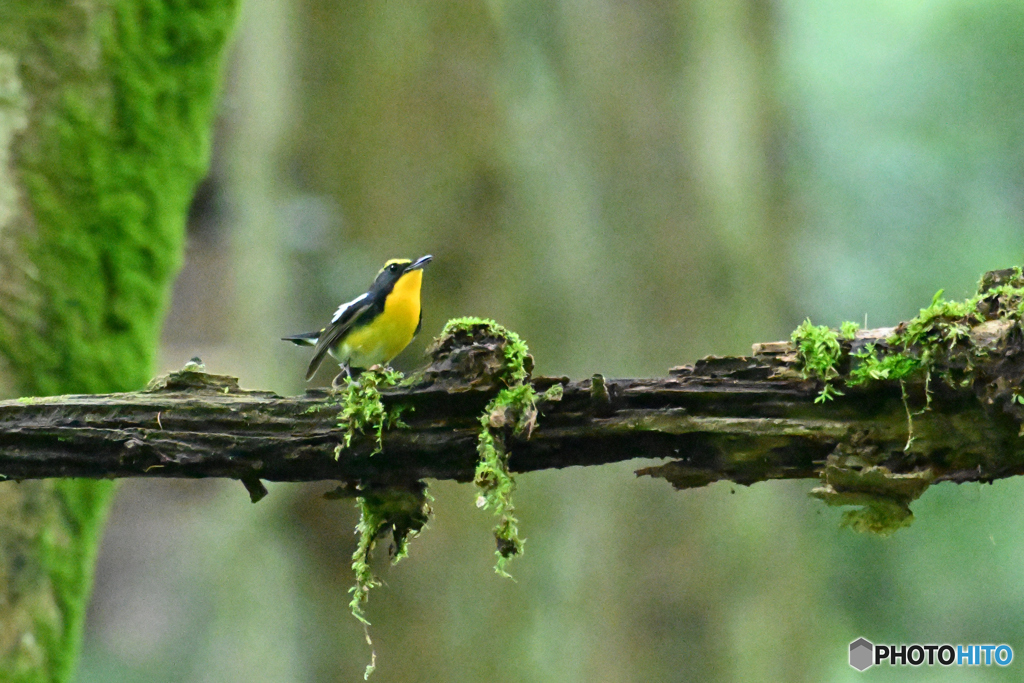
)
(818, 352)
(363, 411)
(518, 363)
(403, 513)
(512, 411)
(515, 408)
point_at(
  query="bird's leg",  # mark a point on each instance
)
(346, 373)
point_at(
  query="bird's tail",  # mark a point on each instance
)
(303, 339)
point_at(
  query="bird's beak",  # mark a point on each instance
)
(419, 263)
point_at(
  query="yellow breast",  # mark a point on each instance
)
(391, 331)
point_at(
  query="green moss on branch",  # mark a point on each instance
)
(512, 413)
(362, 407)
(818, 353)
(959, 342)
(403, 513)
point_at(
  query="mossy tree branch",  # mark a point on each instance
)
(743, 419)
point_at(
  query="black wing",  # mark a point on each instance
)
(343, 320)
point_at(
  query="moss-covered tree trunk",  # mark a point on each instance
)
(105, 112)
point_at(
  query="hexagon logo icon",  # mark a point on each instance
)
(861, 654)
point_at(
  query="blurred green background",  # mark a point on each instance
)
(630, 186)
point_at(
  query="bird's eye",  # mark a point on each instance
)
(394, 267)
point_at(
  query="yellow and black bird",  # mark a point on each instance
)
(372, 328)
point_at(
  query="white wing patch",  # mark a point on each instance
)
(346, 306)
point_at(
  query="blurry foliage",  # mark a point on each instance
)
(906, 154)
(629, 186)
